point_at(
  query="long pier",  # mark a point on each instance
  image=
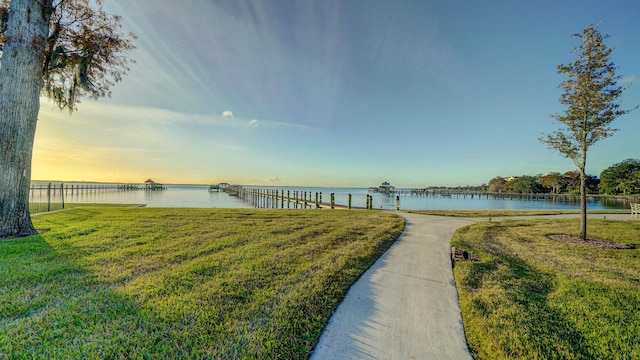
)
(281, 199)
(521, 196)
(45, 197)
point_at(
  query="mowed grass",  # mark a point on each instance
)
(36, 208)
(182, 283)
(531, 297)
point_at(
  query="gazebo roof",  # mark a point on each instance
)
(149, 181)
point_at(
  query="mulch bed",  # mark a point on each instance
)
(459, 255)
(572, 239)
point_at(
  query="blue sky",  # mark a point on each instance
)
(339, 93)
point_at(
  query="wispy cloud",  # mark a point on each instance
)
(629, 79)
(96, 111)
(228, 146)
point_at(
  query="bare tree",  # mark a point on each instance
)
(590, 95)
(64, 49)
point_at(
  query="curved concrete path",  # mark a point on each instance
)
(406, 305)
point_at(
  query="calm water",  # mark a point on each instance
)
(175, 196)
(199, 196)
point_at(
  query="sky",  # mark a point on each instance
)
(345, 93)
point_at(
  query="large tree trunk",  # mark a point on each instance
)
(20, 87)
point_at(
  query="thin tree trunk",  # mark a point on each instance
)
(20, 87)
(583, 196)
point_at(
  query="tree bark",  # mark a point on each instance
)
(20, 87)
(583, 195)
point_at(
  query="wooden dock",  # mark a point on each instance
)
(219, 187)
(472, 194)
(287, 199)
(151, 185)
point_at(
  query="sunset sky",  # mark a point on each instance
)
(339, 93)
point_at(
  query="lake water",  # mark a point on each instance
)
(199, 196)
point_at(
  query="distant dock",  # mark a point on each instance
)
(150, 185)
(219, 187)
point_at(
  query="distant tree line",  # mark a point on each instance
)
(622, 178)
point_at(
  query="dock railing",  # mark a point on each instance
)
(298, 199)
(44, 197)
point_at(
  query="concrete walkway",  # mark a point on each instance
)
(406, 305)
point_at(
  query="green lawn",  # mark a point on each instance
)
(194, 283)
(36, 208)
(531, 297)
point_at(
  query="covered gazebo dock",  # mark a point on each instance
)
(151, 185)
